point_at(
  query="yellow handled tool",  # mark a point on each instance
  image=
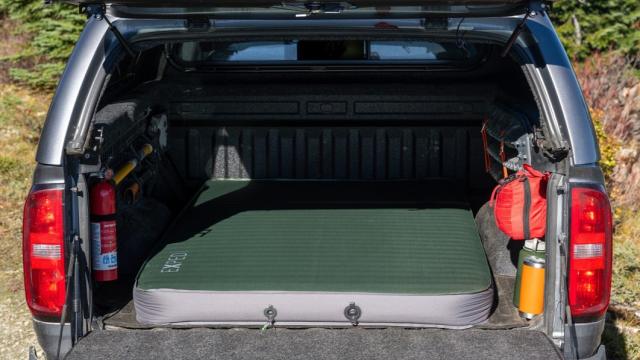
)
(130, 165)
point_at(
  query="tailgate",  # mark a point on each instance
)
(353, 343)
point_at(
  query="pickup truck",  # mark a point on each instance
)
(312, 179)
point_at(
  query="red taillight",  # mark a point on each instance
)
(43, 252)
(589, 252)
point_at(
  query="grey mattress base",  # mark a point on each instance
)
(170, 306)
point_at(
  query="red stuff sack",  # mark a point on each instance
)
(520, 204)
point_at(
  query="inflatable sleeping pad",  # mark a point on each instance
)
(318, 254)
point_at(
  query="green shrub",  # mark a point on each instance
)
(608, 146)
(43, 76)
(53, 30)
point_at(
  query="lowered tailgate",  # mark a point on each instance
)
(352, 343)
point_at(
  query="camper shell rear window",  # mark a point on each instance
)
(209, 53)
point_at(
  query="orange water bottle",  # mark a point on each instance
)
(532, 287)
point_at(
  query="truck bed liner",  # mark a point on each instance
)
(355, 343)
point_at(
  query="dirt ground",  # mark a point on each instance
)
(21, 113)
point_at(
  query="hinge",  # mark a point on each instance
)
(95, 10)
(539, 6)
(562, 189)
(562, 239)
(78, 192)
(435, 23)
(198, 24)
(310, 8)
(316, 7)
(546, 7)
(92, 151)
(98, 12)
(553, 153)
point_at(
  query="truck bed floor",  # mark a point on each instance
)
(354, 343)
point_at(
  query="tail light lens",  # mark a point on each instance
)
(590, 252)
(43, 252)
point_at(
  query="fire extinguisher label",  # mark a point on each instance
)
(103, 235)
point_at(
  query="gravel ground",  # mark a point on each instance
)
(16, 333)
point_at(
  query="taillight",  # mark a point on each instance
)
(590, 252)
(43, 252)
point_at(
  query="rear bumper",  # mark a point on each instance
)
(588, 337)
(601, 354)
(48, 334)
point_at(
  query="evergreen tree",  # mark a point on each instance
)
(53, 31)
(588, 26)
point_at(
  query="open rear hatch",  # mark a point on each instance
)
(359, 7)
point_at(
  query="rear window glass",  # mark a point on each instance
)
(208, 52)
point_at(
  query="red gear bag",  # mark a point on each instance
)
(519, 204)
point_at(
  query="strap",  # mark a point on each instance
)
(503, 159)
(494, 193)
(530, 171)
(526, 227)
(485, 145)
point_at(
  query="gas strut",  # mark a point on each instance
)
(516, 32)
(71, 279)
(98, 11)
(74, 301)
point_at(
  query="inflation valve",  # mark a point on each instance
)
(353, 313)
(270, 313)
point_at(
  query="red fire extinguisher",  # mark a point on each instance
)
(103, 231)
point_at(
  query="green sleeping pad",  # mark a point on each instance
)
(321, 238)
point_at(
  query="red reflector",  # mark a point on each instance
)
(589, 252)
(43, 252)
